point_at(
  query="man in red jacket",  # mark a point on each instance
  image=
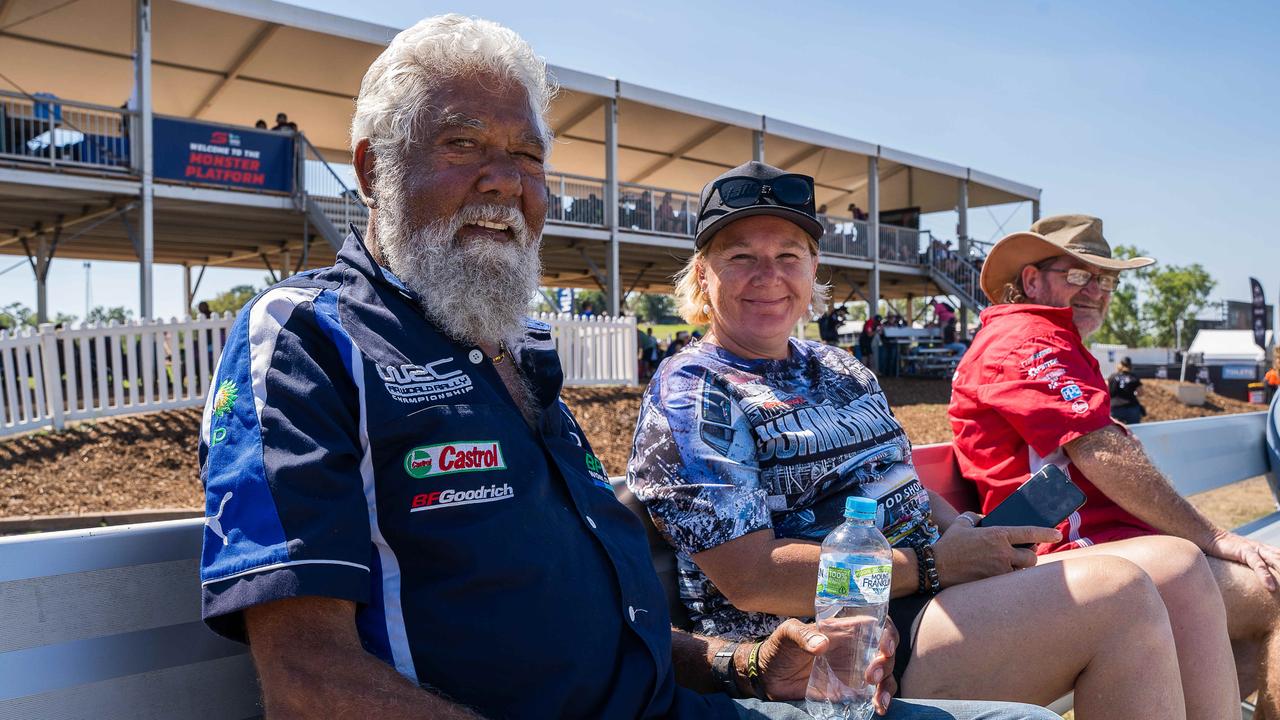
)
(1029, 393)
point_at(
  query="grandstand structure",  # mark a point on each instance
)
(126, 133)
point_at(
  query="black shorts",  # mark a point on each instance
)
(906, 613)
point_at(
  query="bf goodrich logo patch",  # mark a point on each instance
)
(419, 383)
(456, 457)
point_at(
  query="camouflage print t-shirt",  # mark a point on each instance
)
(727, 447)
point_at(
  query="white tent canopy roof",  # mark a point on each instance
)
(1227, 346)
(252, 58)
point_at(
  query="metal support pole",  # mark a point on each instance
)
(873, 229)
(611, 201)
(1035, 211)
(962, 239)
(186, 290)
(757, 145)
(143, 140)
(42, 276)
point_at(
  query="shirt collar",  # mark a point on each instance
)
(1060, 316)
(355, 255)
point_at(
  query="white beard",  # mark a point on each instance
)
(477, 292)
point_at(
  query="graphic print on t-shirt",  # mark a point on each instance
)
(726, 447)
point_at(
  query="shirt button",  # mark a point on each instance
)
(590, 522)
(476, 357)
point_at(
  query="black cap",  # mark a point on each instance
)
(714, 214)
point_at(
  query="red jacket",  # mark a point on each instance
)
(1027, 387)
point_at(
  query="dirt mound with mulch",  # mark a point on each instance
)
(149, 461)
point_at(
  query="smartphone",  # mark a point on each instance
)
(1044, 500)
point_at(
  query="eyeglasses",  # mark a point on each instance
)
(790, 190)
(1081, 277)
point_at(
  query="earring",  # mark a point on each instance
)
(706, 309)
(371, 201)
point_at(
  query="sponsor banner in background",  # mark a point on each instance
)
(226, 155)
(1239, 372)
(1259, 314)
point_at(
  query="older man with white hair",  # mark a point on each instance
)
(405, 521)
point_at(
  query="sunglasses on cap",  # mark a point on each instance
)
(1081, 277)
(789, 190)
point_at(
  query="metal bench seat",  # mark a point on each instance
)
(105, 623)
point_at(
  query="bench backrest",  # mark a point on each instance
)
(106, 623)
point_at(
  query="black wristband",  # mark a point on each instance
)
(723, 672)
(927, 571)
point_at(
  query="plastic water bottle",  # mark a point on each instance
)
(854, 577)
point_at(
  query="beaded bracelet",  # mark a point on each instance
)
(927, 571)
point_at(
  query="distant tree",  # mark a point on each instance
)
(652, 307)
(599, 305)
(232, 300)
(15, 315)
(103, 315)
(1123, 324)
(1177, 294)
(1151, 303)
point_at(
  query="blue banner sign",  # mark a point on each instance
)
(1239, 372)
(229, 156)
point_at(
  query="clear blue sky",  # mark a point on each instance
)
(1161, 118)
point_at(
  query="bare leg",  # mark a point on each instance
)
(1252, 618)
(1095, 625)
(1196, 614)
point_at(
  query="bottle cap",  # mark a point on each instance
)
(859, 508)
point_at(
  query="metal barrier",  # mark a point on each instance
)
(318, 181)
(844, 236)
(902, 245)
(654, 209)
(575, 199)
(962, 274)
(49, 130)
(50, 377)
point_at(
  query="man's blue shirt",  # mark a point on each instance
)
(351, 450)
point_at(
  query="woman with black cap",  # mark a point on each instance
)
(750, 440)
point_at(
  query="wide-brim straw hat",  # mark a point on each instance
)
(1079, 236)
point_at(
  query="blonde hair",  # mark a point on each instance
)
(692, 300)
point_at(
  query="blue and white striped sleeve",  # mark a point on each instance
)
(282, 463)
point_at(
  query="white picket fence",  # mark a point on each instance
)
(595, 350)
(50, 377)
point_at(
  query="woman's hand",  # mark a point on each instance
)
(966, 553)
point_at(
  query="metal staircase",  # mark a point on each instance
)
(330, 204)
(959, 277)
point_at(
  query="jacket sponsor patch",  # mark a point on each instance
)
(450, 497)
(456, 457)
